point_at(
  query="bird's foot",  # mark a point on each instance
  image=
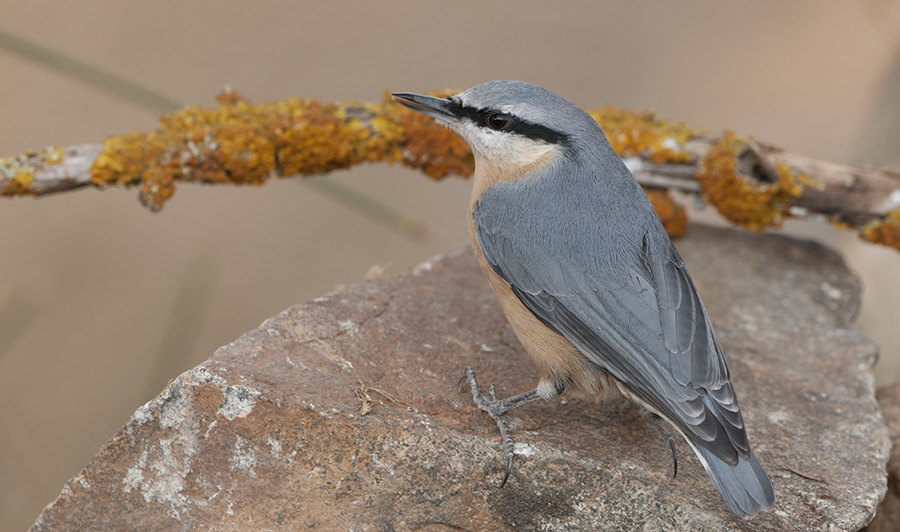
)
(497, 409)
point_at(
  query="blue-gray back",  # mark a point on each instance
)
(582, 248)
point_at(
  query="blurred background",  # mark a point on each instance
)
(102, 302)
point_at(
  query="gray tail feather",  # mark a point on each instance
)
(745, 487)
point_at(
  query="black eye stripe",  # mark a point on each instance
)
(514, 124)
(539, 132)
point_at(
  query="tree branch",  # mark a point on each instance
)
(753, 184)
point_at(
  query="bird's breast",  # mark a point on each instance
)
(491, 170)
(560, 364)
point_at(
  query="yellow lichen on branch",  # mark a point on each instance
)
(238, 142)
(434, 149)
(644, 134)
(672, 215)
(243, 143)
(885, 231)
(752, 205)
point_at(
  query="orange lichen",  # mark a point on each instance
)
(885, 231)
(752, 205)
(319, 140)
(432, 148)
(240, 142)
(243, 143)
(644, 134)
(672, 215)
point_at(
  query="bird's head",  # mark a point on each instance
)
(510, 125)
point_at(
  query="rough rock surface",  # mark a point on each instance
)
(268, 433)
(887, 518)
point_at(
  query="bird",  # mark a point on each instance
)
(589, 280)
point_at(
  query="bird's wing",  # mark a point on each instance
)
(618, 290)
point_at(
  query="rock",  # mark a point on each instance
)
(268, 434)
(887, 517)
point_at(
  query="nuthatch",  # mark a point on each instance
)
(588, 278)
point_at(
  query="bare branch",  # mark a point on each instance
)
(844, 193)
(51, 176)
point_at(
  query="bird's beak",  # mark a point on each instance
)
(438, 108)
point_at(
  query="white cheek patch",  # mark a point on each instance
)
(506, 150)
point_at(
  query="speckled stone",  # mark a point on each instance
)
(268, 433)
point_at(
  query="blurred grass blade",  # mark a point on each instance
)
(16, 314)
(372, 208)
(86, 73)
(181, 335)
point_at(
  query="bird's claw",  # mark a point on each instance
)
(674, 457)
(509, 461)
(661, 426)
(496, 409)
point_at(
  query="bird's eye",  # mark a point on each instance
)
(497, 120)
